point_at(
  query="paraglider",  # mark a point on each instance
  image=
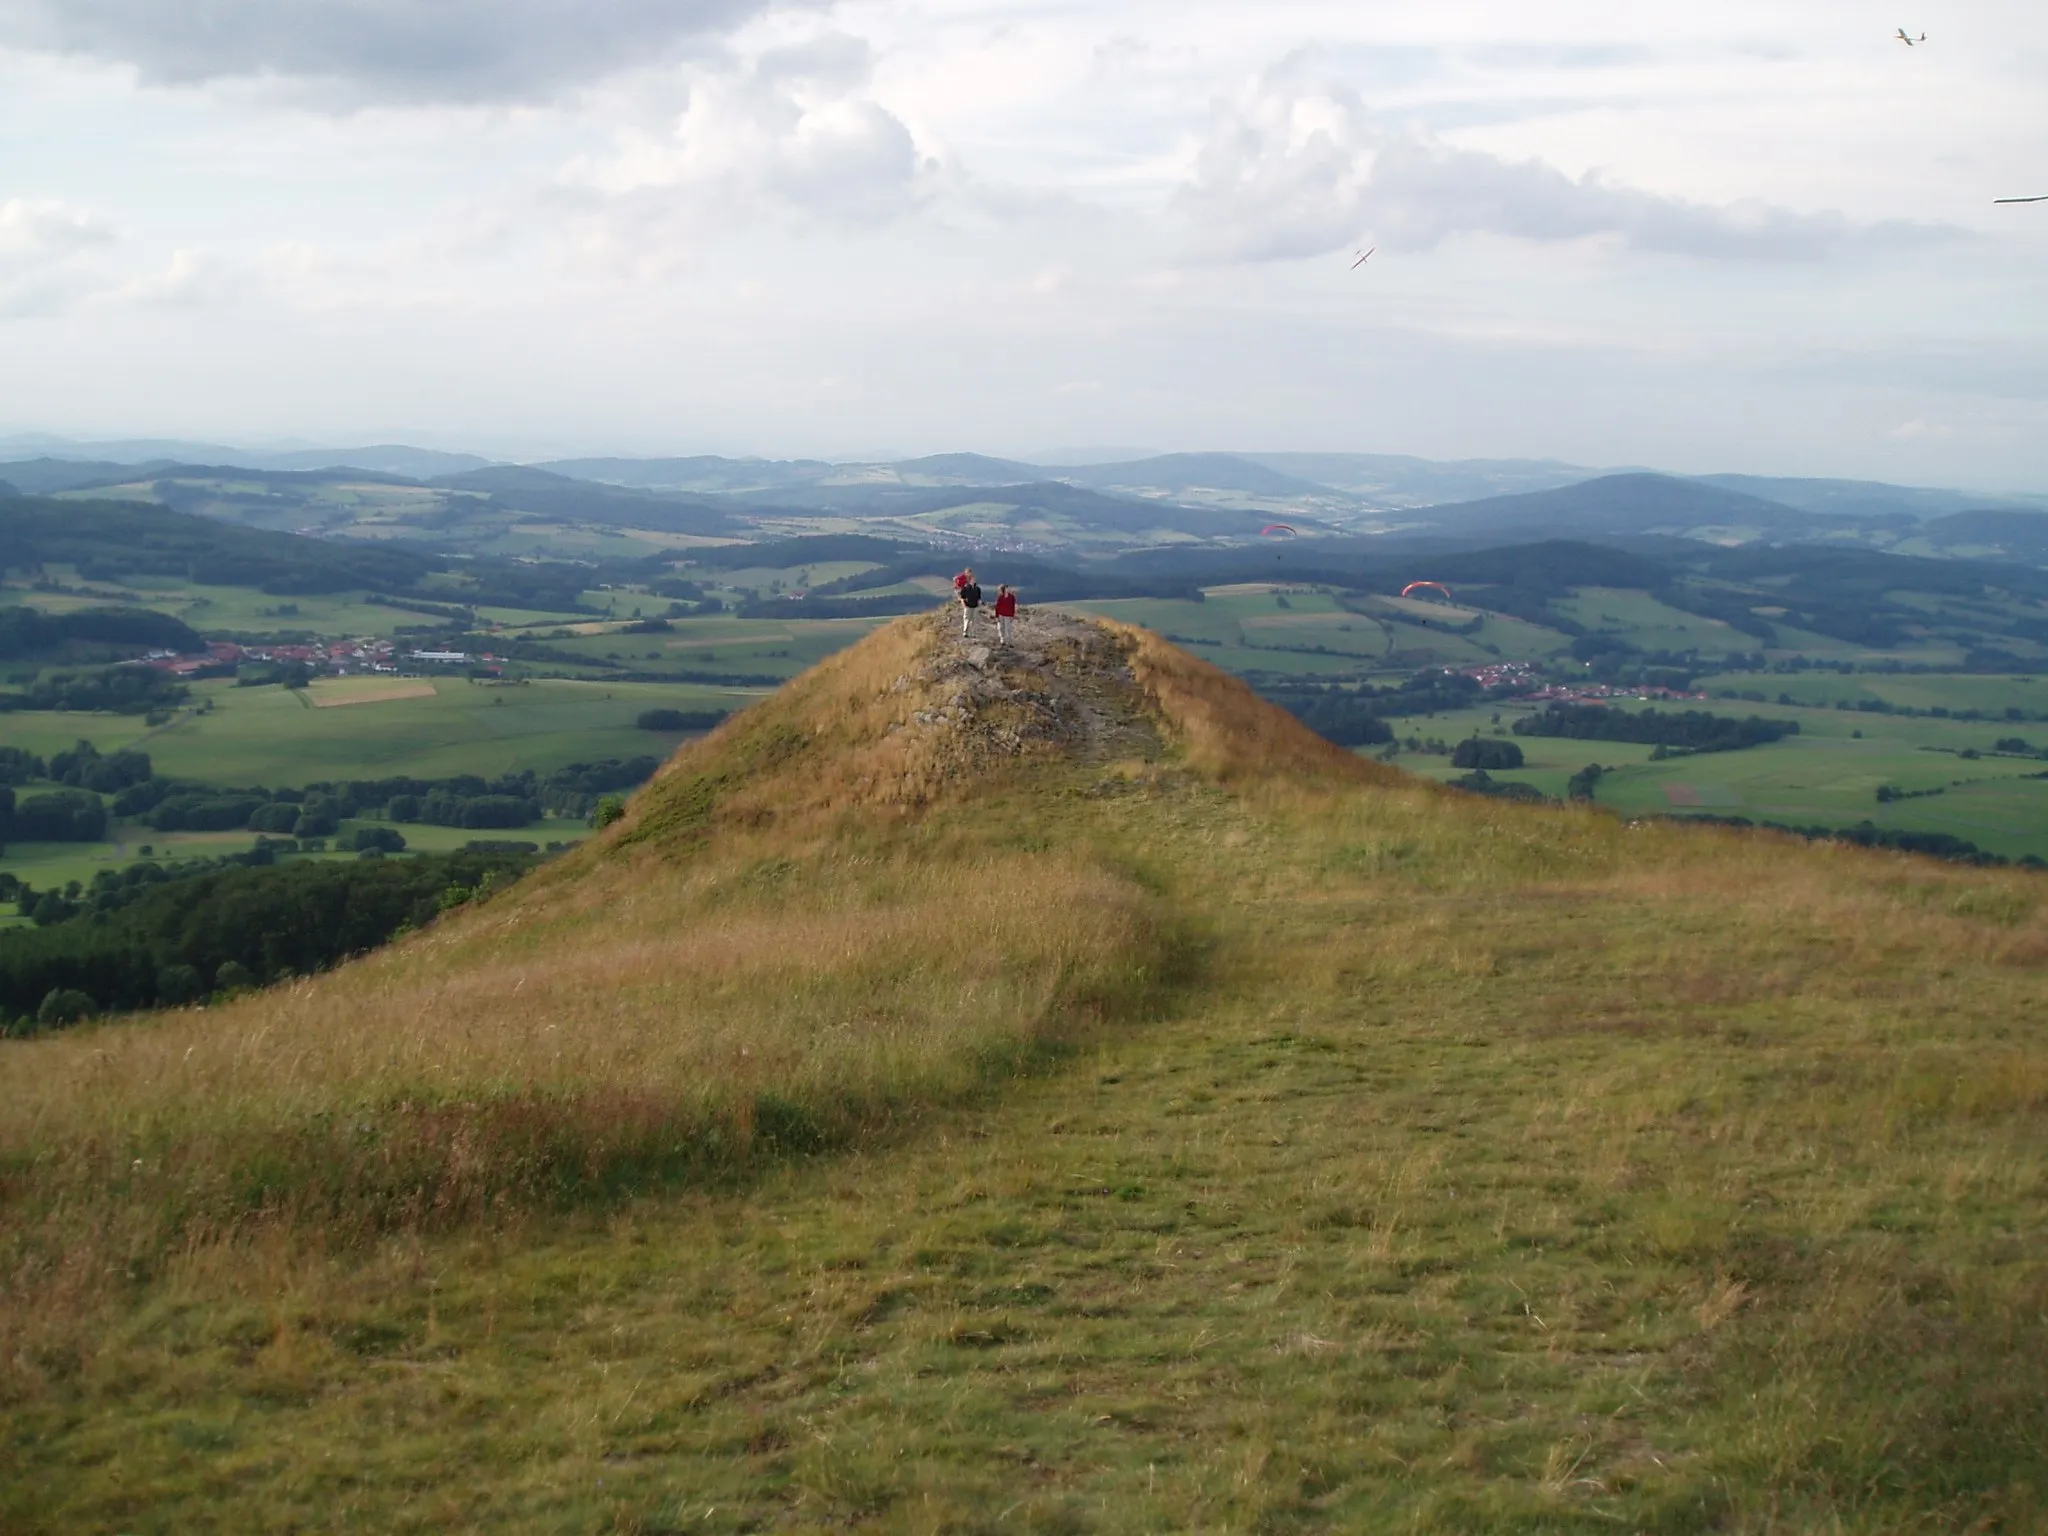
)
(1414, 587)
(1271, 529)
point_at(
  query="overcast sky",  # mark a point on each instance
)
(1752, 236)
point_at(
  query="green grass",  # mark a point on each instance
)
(1989, 694)
(44, 731)
(244, 610)
(1649, 625)
(48, 866)
(1251, 632)
(272, 737)
(1824, 776)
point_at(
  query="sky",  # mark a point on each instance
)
(1758, 236)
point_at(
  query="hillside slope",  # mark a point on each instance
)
(1054, 1089)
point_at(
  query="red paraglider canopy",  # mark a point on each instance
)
(1273, 528)
(1416, 586)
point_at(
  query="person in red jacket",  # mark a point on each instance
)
(1006, 613)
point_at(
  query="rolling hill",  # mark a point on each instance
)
(1052, 1086)
(1402, 480)
(1618, 504)
(1183, 474)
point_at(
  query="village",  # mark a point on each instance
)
(1529, 688)
(222, 658)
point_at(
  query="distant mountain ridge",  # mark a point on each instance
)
(382, 458)
(1617, 504)
(457, 500)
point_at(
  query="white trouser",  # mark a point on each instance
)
(1003, 623)
(966, 619)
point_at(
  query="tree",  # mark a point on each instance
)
(65, 1005)
(176, 984)
(678, 719)
(62, 816)
(276, 817)
(1486, 753)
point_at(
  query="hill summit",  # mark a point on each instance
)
(916, 715)
(1049, 1086)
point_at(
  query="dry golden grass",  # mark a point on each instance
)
(1225, 729)
(548, 1044)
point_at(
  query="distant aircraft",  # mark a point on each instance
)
(2041, 199)
(1910, 41)
(1363, 257)
(1416, 586)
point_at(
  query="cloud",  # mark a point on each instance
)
(45, 248)
(190, 280)
(793, 133)
(1910, 431)
(32, 233)
(1294, 167)
(405, 50)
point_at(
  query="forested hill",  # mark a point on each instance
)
(114, 540)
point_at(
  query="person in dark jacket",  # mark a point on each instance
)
(969, 592)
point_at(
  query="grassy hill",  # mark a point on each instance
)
(1057, 1090)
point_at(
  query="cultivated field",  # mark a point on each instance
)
(1827, 775)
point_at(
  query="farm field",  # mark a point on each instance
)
(279, 738)
(1989, 695)
(776, 648)
(48, 866)
(1648, 624)
(1273, 633)
(244, 610)
(1824, 776)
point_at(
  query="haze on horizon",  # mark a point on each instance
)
(1757, 238)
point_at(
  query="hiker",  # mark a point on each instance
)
(1006, 612)
(969, 592)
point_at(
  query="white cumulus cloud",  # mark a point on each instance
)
(795, 133)
(1294, 166)
(45, 251)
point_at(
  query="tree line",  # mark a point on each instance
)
(1691, 730)
(179, 940)
(78, 813)
(127, 690)
(27, 634)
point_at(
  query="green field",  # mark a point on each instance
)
(217, 610)
(1827, 775)
(48, 865)
(278, 738)
(778, 648)
(1648, 624)
(1988, 695)
(1273, 633)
